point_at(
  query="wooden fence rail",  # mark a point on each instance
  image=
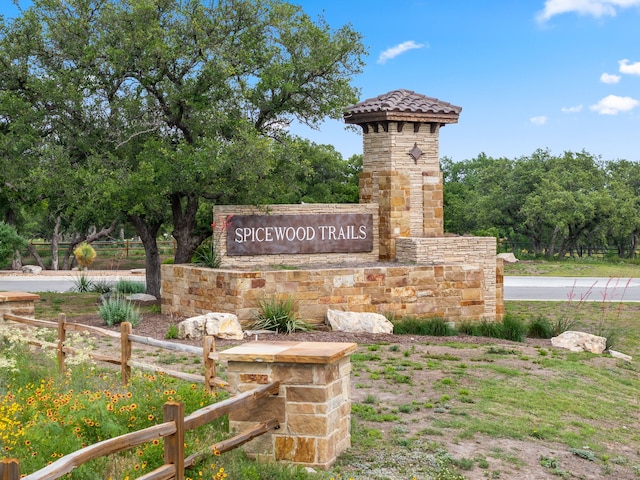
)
(172, 431)
(127, 338)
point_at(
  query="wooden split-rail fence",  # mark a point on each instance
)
(175, 424)
(127, 339)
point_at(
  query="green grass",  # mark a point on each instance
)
(578, 267)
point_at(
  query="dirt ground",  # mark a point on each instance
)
(486, 457)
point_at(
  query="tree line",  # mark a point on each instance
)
(558, 205)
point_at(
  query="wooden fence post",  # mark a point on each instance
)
(9, 469)
(62, 336)
(125, 352)
(174, 444)
(208, 347)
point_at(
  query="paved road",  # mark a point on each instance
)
(57, 283)
(515, 288)
(576, 289)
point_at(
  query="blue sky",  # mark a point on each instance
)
(528, 74)
(557, 74)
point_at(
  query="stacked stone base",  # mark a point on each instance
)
(456, 292)
(313, 405)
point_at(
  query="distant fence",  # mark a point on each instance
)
(175, 422)
(123, 248)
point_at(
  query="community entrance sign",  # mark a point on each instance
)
(296, 234)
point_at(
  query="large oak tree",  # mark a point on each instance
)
(166, 107)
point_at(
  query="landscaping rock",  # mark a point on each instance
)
(508, 257)
(31, 269)
(141, 297)
(221, 325)
(580, 342)
(358, 322)
(621, 356)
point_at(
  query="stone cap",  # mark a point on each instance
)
(18, 297)
(402, 105)
(288, 352)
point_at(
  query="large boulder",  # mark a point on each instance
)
(508, 257)
(580, 342)
(221, 325)
(31, 269)
(358, 322)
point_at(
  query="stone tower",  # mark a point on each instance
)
(401, 165)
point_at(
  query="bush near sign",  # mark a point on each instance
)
(295, 234)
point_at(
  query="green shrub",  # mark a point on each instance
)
(540, 327)
(82, 284)
(125, 286)
(116, 309)
(10, 241)
(101, 286)
(172, 332)
(513, 328)
(435, 327)
(278, 313)
(207, 255)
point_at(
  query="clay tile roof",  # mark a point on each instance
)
(403, 104)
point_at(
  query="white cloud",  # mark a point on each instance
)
(613, 104)
(576, 109)
(609, 78)
(595, 8)
(538, 121)
(399, 49)
(629, 68)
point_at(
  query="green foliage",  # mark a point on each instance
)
(125, 286)
(513, 328)
(584, 453)
(278, 313)
(82, 284)
(570, 204)
(100, 285)
(172, 332)
(10, 242)
(540, 327)
(207, 255)
(116, 309)
(437, 327)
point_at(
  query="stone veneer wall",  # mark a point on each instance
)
(260, 261)
(394, 207)
(18, 303)
(387, 148)
(313, 405)
(452, 291)
(480, 251)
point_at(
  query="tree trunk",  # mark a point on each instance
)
(552, 243)
(184, 225)
(148, 232)
(55, 240)
(634, 244)
(34, 253)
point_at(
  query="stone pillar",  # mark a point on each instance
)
(433, 208)
(400, 132)
(313, 405)
(394, 211)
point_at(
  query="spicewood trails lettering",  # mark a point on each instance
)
(295, 234)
